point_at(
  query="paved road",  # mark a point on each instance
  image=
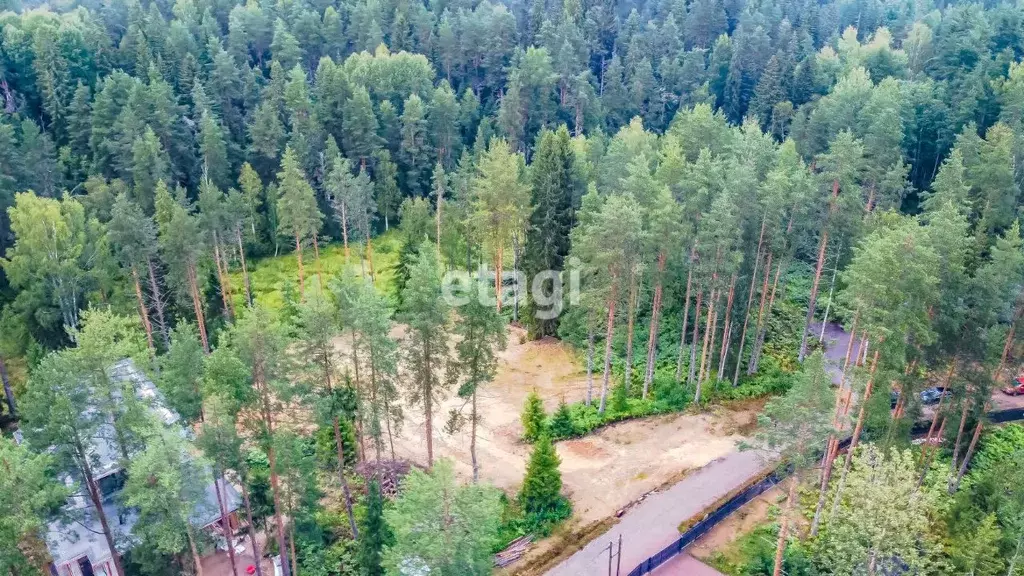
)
(654, 523)
(685, 565)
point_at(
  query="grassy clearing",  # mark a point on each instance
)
(269, 275)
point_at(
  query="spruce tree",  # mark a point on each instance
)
(562, 425)
(359, 126)
(374, 534)
(553, 187)
(541, 494)
(533, 417)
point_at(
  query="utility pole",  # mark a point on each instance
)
(617, 555)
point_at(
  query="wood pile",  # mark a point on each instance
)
(513, 552)
(388, 472)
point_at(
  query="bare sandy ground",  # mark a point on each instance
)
(602, 472)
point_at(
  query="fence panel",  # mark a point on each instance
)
(705, 524)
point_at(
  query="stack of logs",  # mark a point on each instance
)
(388, 472)
(513, 552)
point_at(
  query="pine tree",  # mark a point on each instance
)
(499, 204)
(482, 333)
(533, 418)
(133, 236)
(298, 214)
(426, 312)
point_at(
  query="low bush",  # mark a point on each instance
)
(666, 396)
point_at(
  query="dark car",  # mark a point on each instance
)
(934, 394)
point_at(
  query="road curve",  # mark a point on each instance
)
(654, 523)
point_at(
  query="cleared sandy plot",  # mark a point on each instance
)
(602, 472)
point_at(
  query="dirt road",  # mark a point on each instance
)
(653, 524)
(602, 472)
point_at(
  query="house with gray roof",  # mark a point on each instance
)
(75, 540)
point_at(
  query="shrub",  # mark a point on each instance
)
(620, 398)
(533, 418)
(562, 425)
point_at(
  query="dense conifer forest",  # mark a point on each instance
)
(687, 189)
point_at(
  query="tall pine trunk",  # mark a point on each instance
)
(630, 327)
(686, 317)
(954, 483)
(498, 254)
(428, 407)
(609, 333)
(1009, 340)
(590, 359)
(812, 300)
(832, 445)
(695, 337)
(712, 335)
(143, 312)
(472, 441)
(197, 305)
(856, 436)
(225, 523)
(195, 551)
(319, 268)
(302, 279)
(755, 356)
(275, 487)
(725, 329)
(965, 407)
(746, 313)
(780, 545)
(97, 503)
(437, 211)
(257, 556)
(652, 338)
(344, 231)
(245, 269)
(225, 291)
(158, 305)
(704, 346)
(267, 415)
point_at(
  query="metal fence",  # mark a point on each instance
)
(755, 490)
(708, 522)
(716, 516)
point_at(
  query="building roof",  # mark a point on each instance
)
(78, 531)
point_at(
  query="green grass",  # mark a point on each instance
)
(267, 276)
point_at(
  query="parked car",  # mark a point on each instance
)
(934, 394)
(1017, 389)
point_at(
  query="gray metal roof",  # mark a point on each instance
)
(78, 531)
